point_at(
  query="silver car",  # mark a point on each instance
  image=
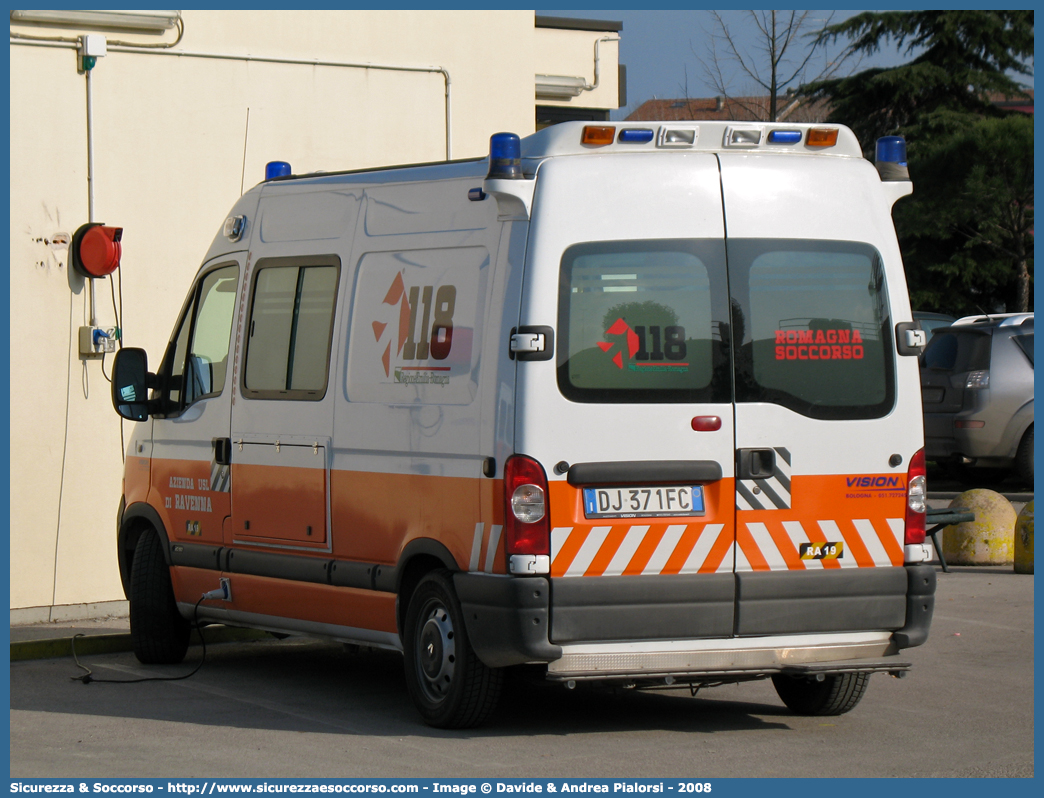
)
(977, 390)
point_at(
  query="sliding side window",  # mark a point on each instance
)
(290, 329)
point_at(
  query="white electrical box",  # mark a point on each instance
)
(97, 341)
(94, 44)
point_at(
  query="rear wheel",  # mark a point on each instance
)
(835, 695)
(450, 686)
(158, 632)
(1024, 457)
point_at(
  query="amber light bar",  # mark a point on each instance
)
(598, 135)
(822, 137)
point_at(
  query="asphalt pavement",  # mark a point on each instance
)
(301, 708)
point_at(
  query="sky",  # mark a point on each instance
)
(660, 50)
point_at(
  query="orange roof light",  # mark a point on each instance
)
(822, 137)
(597, 136)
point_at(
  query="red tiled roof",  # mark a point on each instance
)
(744, 109)
(737, 108)
(1020, 102)
(1022, 97)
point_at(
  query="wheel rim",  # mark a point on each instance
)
(436, 651)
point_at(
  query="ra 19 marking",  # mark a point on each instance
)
(821, 551)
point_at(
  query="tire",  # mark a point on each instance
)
(450, 686)
(158, 632)
(1024, 457)
(835, 695)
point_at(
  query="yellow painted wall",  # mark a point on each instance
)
(172, 151)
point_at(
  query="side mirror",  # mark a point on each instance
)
(130, 384)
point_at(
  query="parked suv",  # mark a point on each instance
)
(977, 390)
(930, 322)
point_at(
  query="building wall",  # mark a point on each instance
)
(176, 140)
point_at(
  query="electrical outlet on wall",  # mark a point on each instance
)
(96, 342)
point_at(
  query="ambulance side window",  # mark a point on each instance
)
(291, 322)
(811, 325)
(197, 360)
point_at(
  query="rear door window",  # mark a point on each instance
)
(644, 321)
(812, 327)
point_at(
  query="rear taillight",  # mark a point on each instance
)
(916, 499)
(977, 379)
(527, 529)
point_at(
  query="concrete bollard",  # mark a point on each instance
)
(1024, 541)
(989, 539)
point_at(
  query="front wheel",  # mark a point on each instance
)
(835, 695)
(450, 686)
(159, 634)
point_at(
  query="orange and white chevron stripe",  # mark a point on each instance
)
(646, 549)
(775, 545)
(631, 550)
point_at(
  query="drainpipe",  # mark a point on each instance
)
(449, 131)
(598, 62)
(564, 87)
(87, 62)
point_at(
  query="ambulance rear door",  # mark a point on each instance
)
(822, 449)
(632, 419)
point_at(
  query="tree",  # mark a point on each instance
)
(786, 52)
(968, 228)
(967, 232)
(962, 58)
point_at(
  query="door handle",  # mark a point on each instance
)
(222, 451)
(755, 463)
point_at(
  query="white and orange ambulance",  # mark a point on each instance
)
(634, 402)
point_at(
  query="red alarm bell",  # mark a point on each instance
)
(96, 249)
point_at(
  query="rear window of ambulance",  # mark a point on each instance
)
(642, 321)
(812, 325)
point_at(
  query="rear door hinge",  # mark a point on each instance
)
(910, 339)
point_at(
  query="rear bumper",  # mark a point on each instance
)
(860, 622)
(729, 659)
(507, 618)
(994, 444)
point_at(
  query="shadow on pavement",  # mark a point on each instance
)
(308, 686)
